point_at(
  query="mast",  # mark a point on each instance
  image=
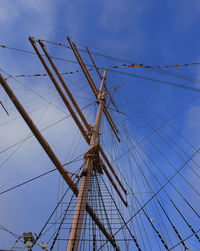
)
(92, 158)
(95, 163)
(79, 211)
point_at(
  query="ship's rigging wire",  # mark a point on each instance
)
(36, 93)
(193, 230)
(169, 125)
(156, 193)
(49, 218)
(60, 225)
(128, 61)
(155, 80)
(156, 179)
(118, 123)
(10, 232)
(25, 182)
(138, 143)
(21, 144)
(160, 126)
(30, 89)
(185, 239)
(155, 232)
(101, 201)
(169, 180)
(41, 175)
(136, 160)
(133, 237)
(139, 214)
(118, 72)
(149, 156)
(43, 129)
(159, 203)
(163, 155)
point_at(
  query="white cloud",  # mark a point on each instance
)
(26, 18)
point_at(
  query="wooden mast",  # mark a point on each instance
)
(75, 232)
(91, 135)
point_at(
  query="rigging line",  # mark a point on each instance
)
(163, 155)
(94, 206)
(142, 208)
(21, 184)
(74, 62)
(152, 199)
(26, 102)
(11, 155)
(136, 181)
(135, 204)
(73, 146)
(125, 73)
(99, 203)
(164, 140)
(143, 175)
(155, 80)
(115, 51)
(133, 237)
(43, 129)
(83, 50)
(31, 90)
(174, 228)
(149, 169)
(60, 225)
(19, 146)
(153, 196)
(111, 70)
(177, 132)
(195, 234)
(41, 175)
(119, 59)
(99, 54)
(39, 235)
(33, 53)
(166, 121)
(194, 80)
(142, 223)
(160, 170)
(189, 79)
(52, 225)
(38, 108)
(184, 240)
(11, 233)
(30, 136)
(104, 207)
(157, 70)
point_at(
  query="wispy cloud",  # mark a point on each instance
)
(22, 18)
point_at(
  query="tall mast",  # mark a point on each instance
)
(92, 158)
(79, 211)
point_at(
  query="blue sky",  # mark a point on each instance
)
(137, 31)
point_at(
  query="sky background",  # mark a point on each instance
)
(138, 31)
